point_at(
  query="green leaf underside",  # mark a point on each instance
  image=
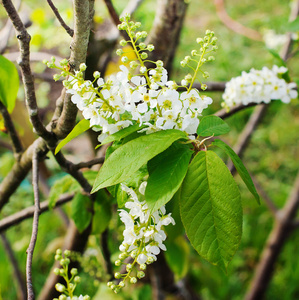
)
(117, 136)
(9, 83)
(167, 171)
(211, 209)
(81, 211)
(212, 125)
(239, 167)
(81, 127)
(130, 157)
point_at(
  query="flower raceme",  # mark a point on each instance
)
(143, 235)
(259, 86)
(138, 95)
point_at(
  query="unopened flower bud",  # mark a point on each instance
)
(199, 40)
(117, 275)
(150, 47)
(193, 52)
(187, 59)
(184, 82)
(183, 63)
(82, 68)
(62, 297)
(142, 267)
(129, 267)
(119, 52)
(56, 271)
(142, 46)
(143, 70)
(123, 43)
(150, 260)
(77, 279)
(206, 75)
(124, 59)
(60, 287)
(211, 58)
(118, 263)
(121, 284)
(133, 280)
(140, 274)
(133, 65)
(204, 86)
(67, 253)
(144, 55)
(56, 77)
(57, 257)
(96, 74)
(109, 283)
(86, 297)
(214, 48)
(188, 78)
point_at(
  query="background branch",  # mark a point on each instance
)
(30, 250)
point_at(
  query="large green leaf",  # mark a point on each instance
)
(239, 167)
(212, 125)
(9, 83)
(81, 127)
(211, 209)
(81, 211)
(130, 157)
(117, 136)
(166, 174)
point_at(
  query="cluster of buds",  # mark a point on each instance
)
(71, 281)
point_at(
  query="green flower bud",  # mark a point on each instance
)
(62, 272)
(133, 65)
(63, 62)
(214, 48)
(206, 39)
(194, 53)
(188, 77)
(96, 74)
(206, 75)
(82, 68)
(183, 63)
(123, 43)
(143, 34)
(67, 253)
(142, 46)
(109, 283)
(208, 32)
(140, 274)
(133, 280)
(142, 267)
(159, 64)
(150, 48)
(117, 275)
(144, 55)
(121, 284)
(71, 286)
(116, 290)
(204, 87)
(45, 62)
(86, 297)
(56, 77)
(124, 59)
(137, 24)
(74, 271)
(150, 260)
(129, 267)
(77, 279)
(187, 59)
(53, 59)
(57, 257)
(122, 19)
(199, 40)
(62, 297)
(60, 287)
(211, 58)
(118, 263)
(119, 52)
(57, 271)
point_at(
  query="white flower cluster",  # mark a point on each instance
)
(125, 99)
(143, 235)
(259, 86)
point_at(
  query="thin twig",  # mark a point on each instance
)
(223, 113)
(28, 212)
(59, 18)
(16, 142)
(89, 164)
(21, 285)
(24, 63)
(30, 250)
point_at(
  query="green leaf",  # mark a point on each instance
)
(292, 26)
(9, 83)
(277, 56)
(102, 212)
(212, 126)
(166, 174)
(67, 184)
(130, 157)
(81, 127)
(239, 167)
(81, 211)
(117, 136)
(211, 209)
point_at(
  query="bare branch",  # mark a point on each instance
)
(31, 247)
(106, 253)
(24, 63)
(21, 285)
(234, 25)
(29, 212)
(223, 113)
(89, 164)
(16, 142)
(59, 18)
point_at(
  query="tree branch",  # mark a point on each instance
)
(29, 212)
(59, 18)
(24, 63)
(16, 142)
(89, 164)
(223, 113)
(234, 25)
(21, 285)
(30, 250)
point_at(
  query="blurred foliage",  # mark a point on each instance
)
(272, 157)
